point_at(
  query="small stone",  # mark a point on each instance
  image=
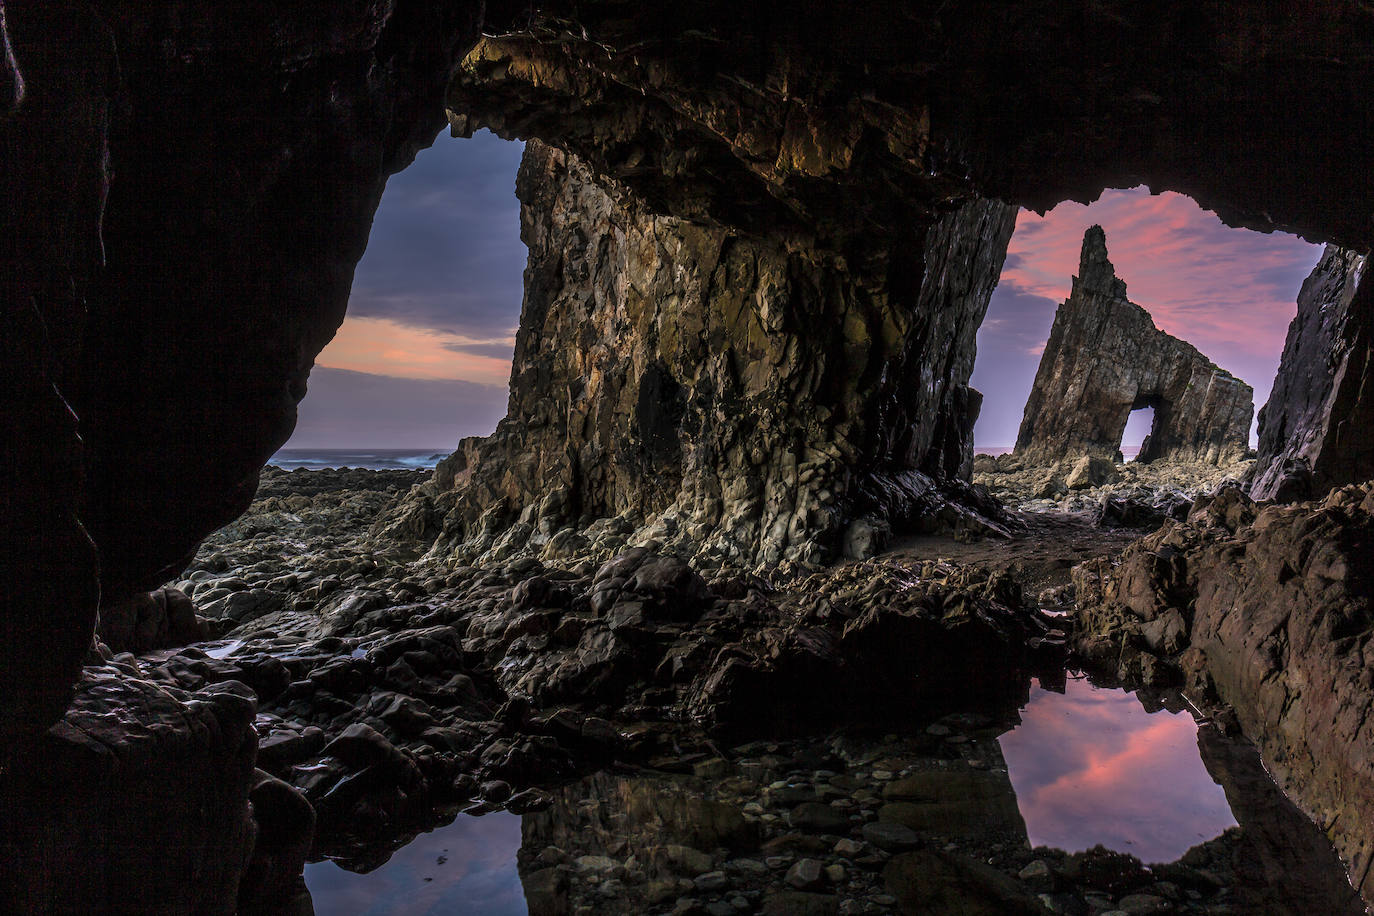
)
(711, 882)
(848, 847)
(1143, 904)
(805, 874)
(891, 837)
(1037, 870)
(834, 873)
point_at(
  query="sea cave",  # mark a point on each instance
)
(701, 597)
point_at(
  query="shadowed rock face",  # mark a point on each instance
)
(1105, 358)
(1314, 433)
(1266, 609)
(666, 371)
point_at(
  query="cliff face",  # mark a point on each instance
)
(1314, 431)
(668, 373)
(1105, 358)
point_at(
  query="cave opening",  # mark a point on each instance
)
(1230, 293)
(422, 358)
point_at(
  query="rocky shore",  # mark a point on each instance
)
(394, 689)
(1122, 494)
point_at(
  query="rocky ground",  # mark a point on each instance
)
(392, 686)
(1110, 494)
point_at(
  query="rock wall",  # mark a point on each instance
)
(136, 802)
(735, 396)
(1268, 611)
(1314, 431)
(1105, 358)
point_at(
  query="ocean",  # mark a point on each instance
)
(376, 459)
(1127, 451)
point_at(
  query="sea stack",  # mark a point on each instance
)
(1105, 358)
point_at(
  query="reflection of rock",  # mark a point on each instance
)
(1314, 431)
(1284, 864)
(932, 881)
(957, 801)
(1105, 358)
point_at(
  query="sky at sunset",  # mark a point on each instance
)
(423, 358)
(1229, 292)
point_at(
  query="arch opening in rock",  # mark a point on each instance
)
(1140, 425)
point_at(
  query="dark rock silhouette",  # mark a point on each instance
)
(1314, 433)
(1105, 358)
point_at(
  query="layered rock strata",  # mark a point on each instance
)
(1314, 433)
(1266, 609)
(668, 377)
(1105, 358)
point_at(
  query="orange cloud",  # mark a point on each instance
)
(385, 347)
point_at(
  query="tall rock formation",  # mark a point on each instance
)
(1105, 358)
(672, 374)
(1314, 433)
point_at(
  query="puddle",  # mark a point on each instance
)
(1091, 766)
(226, 649)
(1088, 766)
(467, 866)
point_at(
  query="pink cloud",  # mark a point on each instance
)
(1230, 292)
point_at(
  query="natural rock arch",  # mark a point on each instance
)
(242, 157)
(1105, 358)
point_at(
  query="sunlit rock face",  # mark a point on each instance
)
(1105, 358)
(738, 396)
(1314, 433)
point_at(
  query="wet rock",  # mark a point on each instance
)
(943, 882)
(166, 775)
(1277, 596)
(1090, 471)
(1321, 393)
(161, 619)
(1105, 358)
(890, 836)
(805, 875)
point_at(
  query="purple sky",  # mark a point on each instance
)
(423, 358)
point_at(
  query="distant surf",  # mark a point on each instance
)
(376, 459)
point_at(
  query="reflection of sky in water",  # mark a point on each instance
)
(478, 875)
(1092, 766)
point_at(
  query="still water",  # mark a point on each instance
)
(1091, 766)
(1088, 766)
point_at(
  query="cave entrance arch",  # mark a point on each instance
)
(423, 356)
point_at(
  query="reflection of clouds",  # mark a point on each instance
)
(478, 876)
(1091, 766)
